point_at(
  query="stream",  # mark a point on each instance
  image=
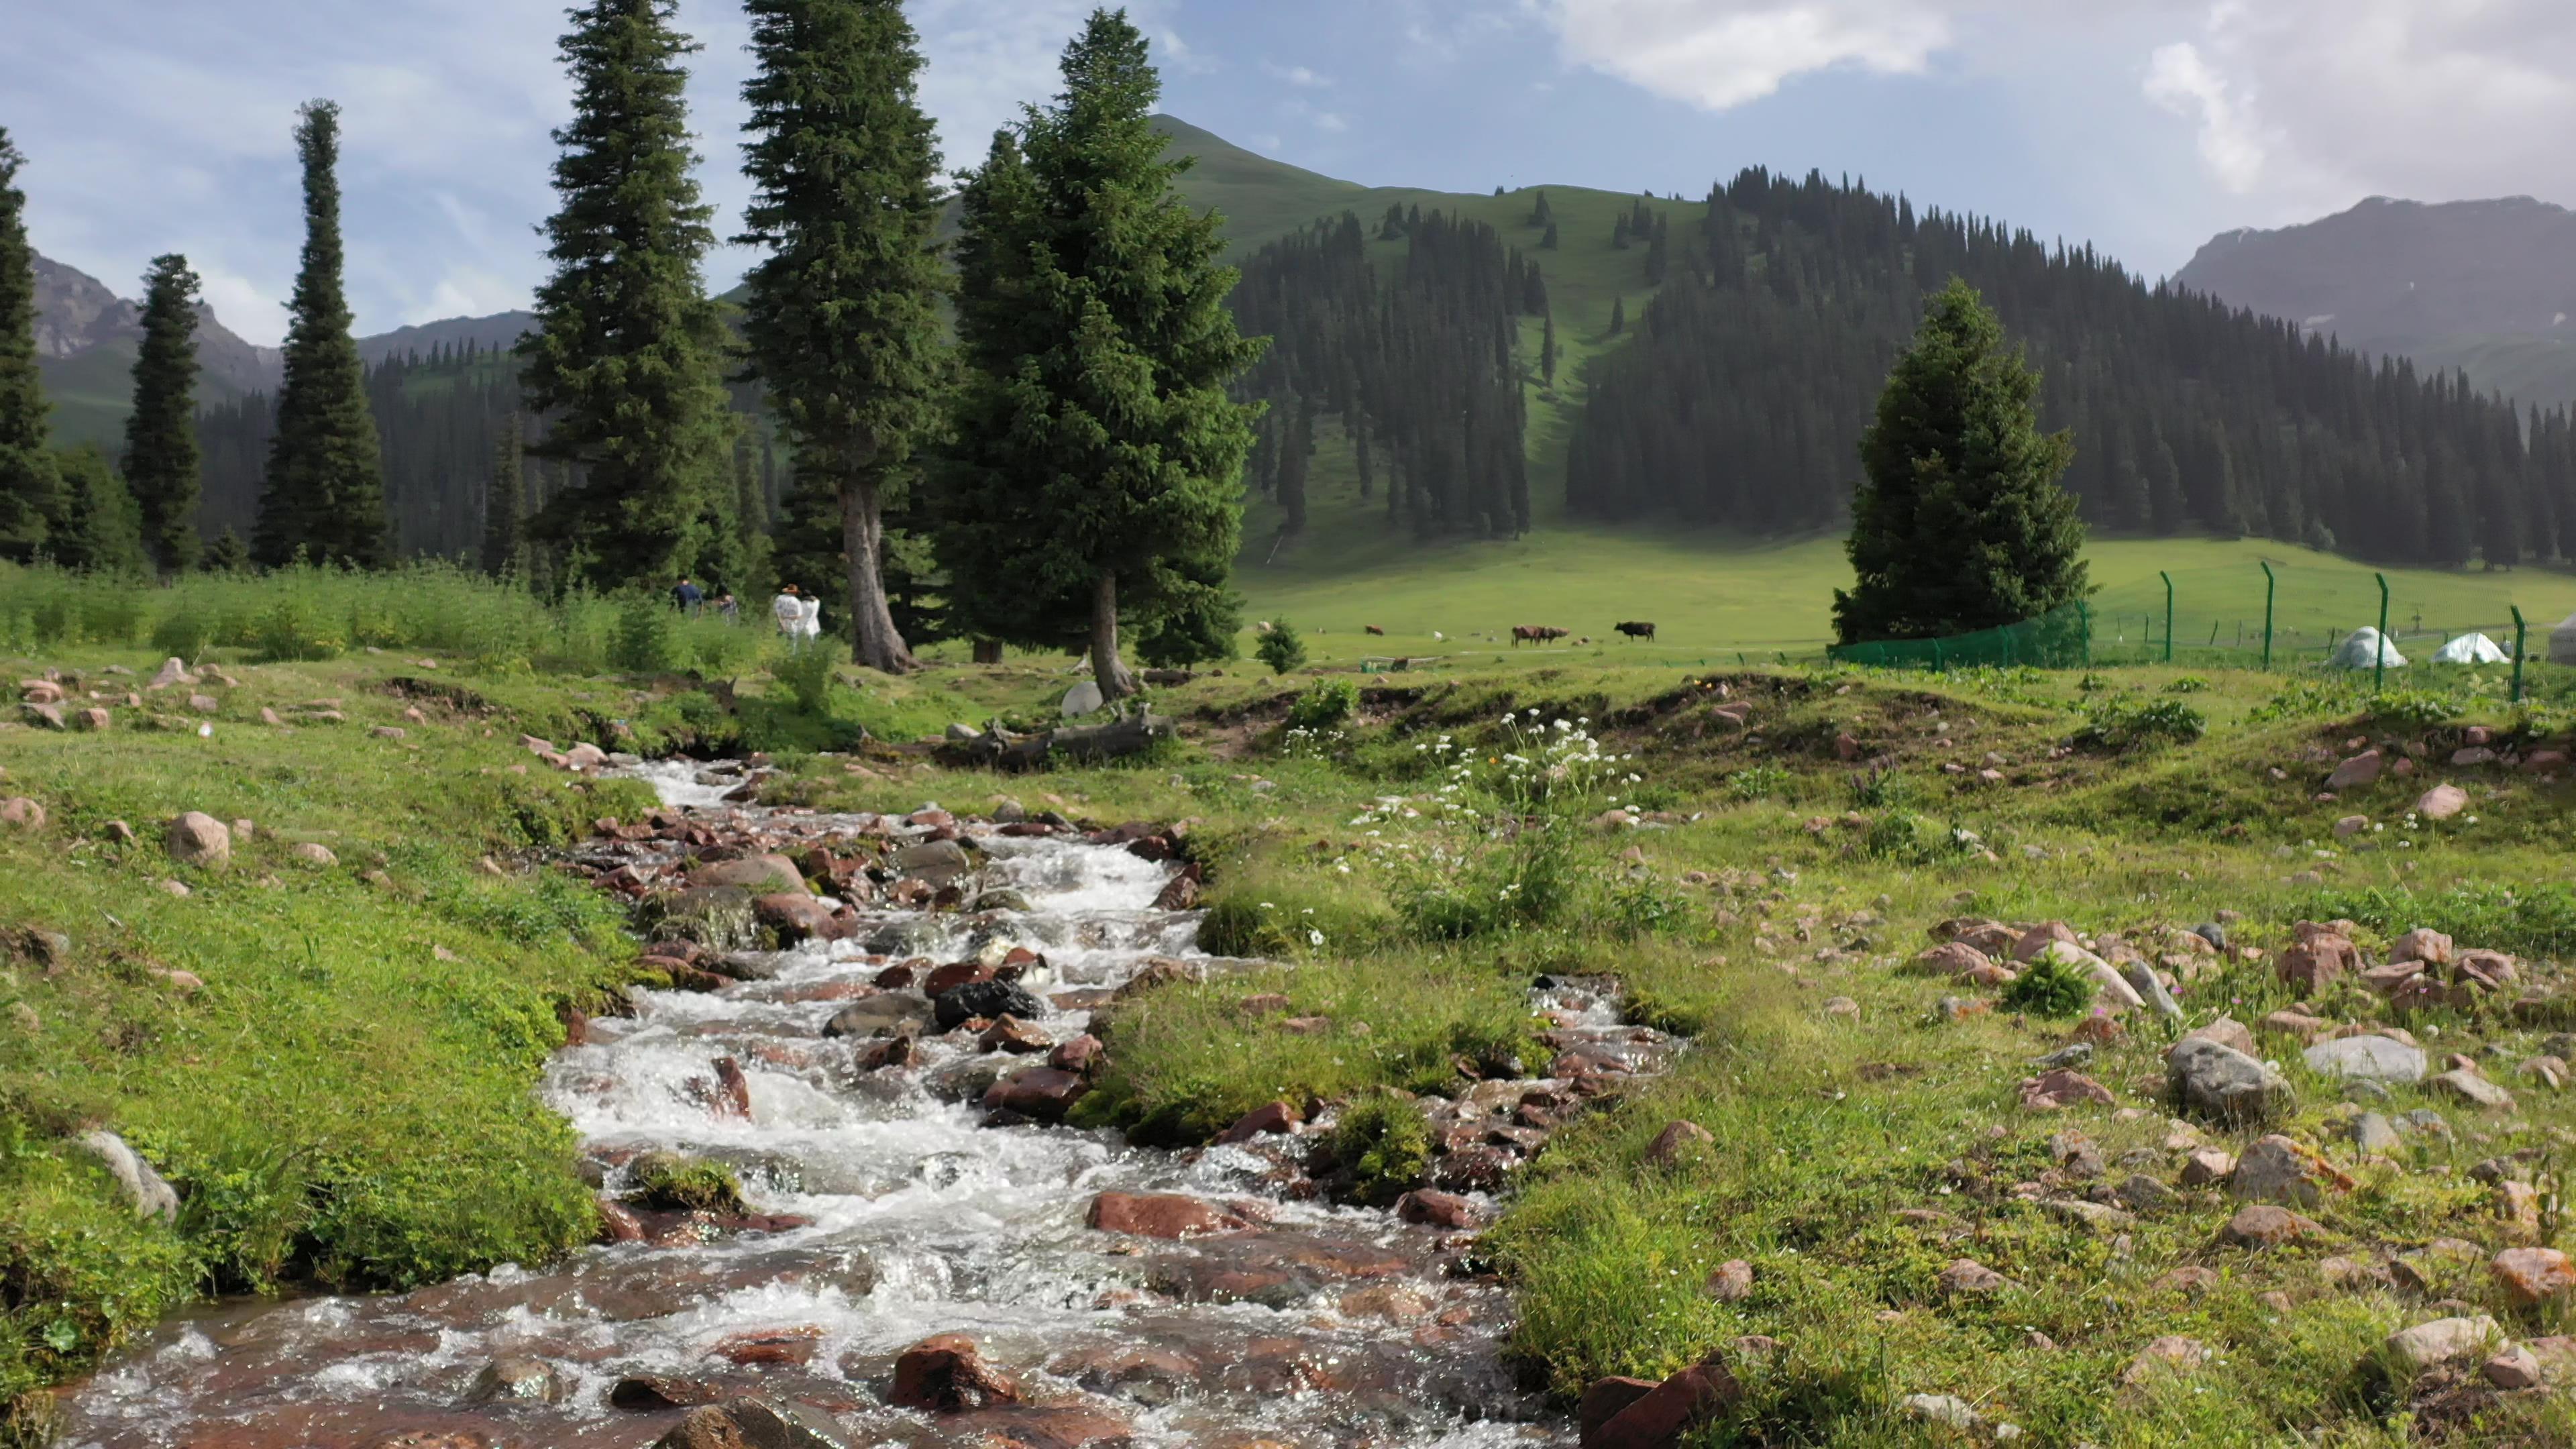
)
(901, 1215)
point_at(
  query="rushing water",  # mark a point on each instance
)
(1322, 1327)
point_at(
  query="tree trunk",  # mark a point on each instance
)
(988, 651)
(874, 640)
(1112, 676)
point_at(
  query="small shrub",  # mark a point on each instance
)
(291, 630)
(1758, 782)
(672, 1183)
(184, 634)
(808, 676)
(1327, 704)
(644, 641)
(1281, 648)
(2188, 684)
(2416, 708)
(1383, 1147)
(2051, 988)
(2303, 699)
(1643, 906)
(2119, 724)
(1880, 789)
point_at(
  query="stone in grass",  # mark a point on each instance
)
(1966, 1277)
(2411, 1351)
(2374, 1134)
(2477, 1091)
(2224, 1084)
(1948, 1410)
(199, 839)
(2442, 802)
(2366, 1058)
(2263, 1225)
(2533, 1276)
(2168, 1357)
(1732, 1282)
(2277, 1169)
(2055, 1091)
(1676, 1141)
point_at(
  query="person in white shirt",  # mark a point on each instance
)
(812, 624)
(789, 610)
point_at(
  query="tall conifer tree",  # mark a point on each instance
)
(505, 505)
(1959, 523)
(842, 316)
(1100, 455)
(161, 455)
(31, 489)
(625, 360)
(99, 526)
(326, 488)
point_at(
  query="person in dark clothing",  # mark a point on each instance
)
(688, 596)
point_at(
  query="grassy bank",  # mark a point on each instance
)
(1862, 1140)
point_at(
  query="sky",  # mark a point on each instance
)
(2143, 126)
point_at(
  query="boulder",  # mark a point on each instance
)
(764, 1422)
(1732, 1282)
(796, 916)
(2361, 769)
(2107, 978)
(172, 672)
(759, 874)
(1277, 1117)
(2366, 1058)
(1428, 1207)
(2317, 958)
(1010, 1034)
(2422, 944)
(2228, 1032)
(2425, 1346)
(516, 1378)
(17, 812)
(2467, 1086)
(990, 1000)
(1041, 1093)
(92, 720)
(1161, 1215)
(1970, 1278)
(2263, 1225)
(877, 1016)
(946, 1374)
(1676, 1142)
(2053, 1091)
(2278, 1169)
(1663, 1414)
(584, 757)
(2533, 1276)
(1951, 960)
(199, 839)
(940, 862)
(2223, 1084)
(151, 1194)
(2442, 801)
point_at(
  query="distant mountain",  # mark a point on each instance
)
(2485, 286)
(76, 312)
(495, 333)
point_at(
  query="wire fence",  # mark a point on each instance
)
(2251, 618)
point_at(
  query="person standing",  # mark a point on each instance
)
(789, 610)
(812, 625)
(728, 608)
(689, 597)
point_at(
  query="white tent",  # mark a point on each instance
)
(2471, 649)
(2356, 652)
(1082, 699)
(2562, 642)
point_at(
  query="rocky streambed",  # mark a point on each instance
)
(921, 1253)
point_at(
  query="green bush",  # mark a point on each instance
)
(673, 1183)
(1879, 789)
(290, 630)
(2188, 684)
(2051, 988)
(1281, 648)
(183, 634)
(1758, 782)
(808, 676)
(643, 643)
(2416, 709)
(1327, 704)
(2120, 723)
(1383, 1148)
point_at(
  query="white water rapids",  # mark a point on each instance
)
(923, 1221)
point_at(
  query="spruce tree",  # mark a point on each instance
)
(1296, 453)
(1619, 233)
(1618, 315)
(1100, 455)
(505, 505)
(1540, 214)
(1547, 243)
(227, 554)
(31, 490)
(161, 455)
(842, 315)
(1959, 523)
(1547, 351)
(326, 490)
(98, 526)
(624, 362)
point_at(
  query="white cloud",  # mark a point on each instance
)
(2182, 82)
(1296, 75)
(1722, 53)
(1331, 121)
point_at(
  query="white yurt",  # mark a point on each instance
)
(2357, 651)
(2562, 641)
(1082, 699)
(2471, 649)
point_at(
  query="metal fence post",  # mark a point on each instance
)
(2084, 616)
(2519, 630)
(2270, 584)
(2168, 578)
(2379, 659)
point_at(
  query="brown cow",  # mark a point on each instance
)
(1636, 629)
(1372, 628)
(1538, 634)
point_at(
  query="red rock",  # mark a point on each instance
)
(732, 1094)
(649, 1393)
(1010, 1034)
(1604, 1399)
(1067, 1426)
(1662, 1415)
(1967, 1275)
(1081, 1054)
(618, 1223)
(947, 1373)
(1732, 1282)
(2263, 1225)
(1042, 1093)
(1953, 960)
(2422, 944)
(2052, 1091)
(953, 975)
(896, 977)
(2317, 960)
(767, 1347)
(2361, 769)
(2532, 1276)
(1266, 1004)
(1431, 1208)
(1294, 1025)
(1161, 1215)
(1273, 1118)
(797, 916)
(2038, 938)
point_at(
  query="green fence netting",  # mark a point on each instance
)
(2231, 617)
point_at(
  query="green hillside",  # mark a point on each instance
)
(2529, 369)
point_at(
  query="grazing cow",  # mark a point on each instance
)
(1538, 634)
(1637, 629)
(1372, 628)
